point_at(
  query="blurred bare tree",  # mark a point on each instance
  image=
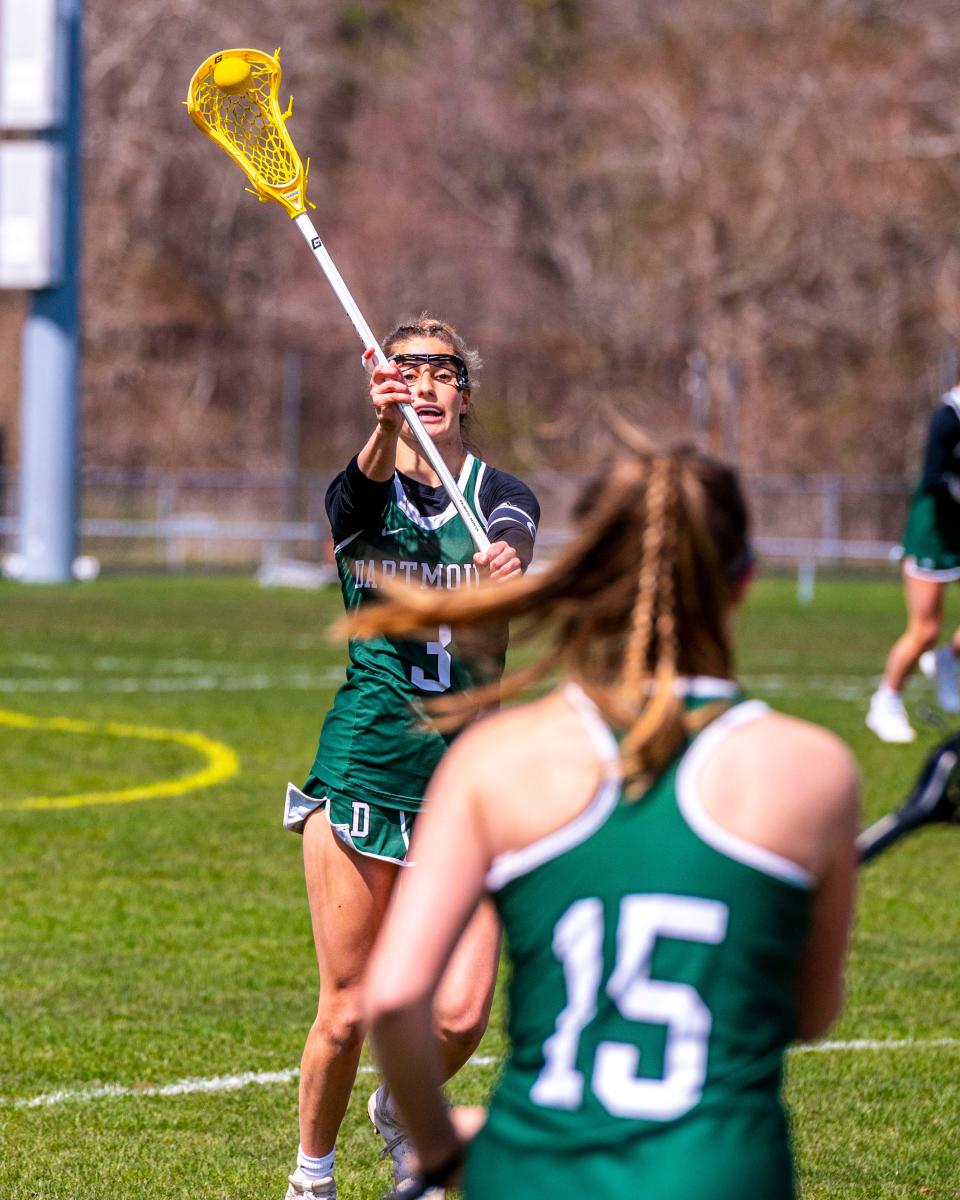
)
(735, 222)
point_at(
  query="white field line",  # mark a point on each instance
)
(855, 688)
(116, 664)
(254, 682)
(135, 639)
(183, 1087)
(209, 677)
(231, 1083)
(878, 1044)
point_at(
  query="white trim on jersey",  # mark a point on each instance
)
(706, 687)
(767, 862)
(346, 541)
(343, 833)
(952, 399)
(514, 863)
(412, 513)
(947, 575)
(476, 495)
(404, 832)
(702, 687)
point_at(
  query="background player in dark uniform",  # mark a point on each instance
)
(676, 896)
(392, 521)
(931, 547)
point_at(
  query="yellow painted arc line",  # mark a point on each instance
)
(221, 761)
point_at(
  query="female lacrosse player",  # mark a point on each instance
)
(673, 866)
(931, 560)
(391, 520)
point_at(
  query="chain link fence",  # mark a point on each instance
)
(219, 519)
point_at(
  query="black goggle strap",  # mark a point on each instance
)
(436, 360)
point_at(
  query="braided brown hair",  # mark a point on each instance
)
(641, 597)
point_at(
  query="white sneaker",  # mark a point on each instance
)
(397, 1143)
(888, 718)
(941, 666)
(311, 1189)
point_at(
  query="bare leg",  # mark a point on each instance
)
(924, 600)
(461, 1009)
(463, 1000)
(348, 894)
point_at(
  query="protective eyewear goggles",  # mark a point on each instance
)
(443, 368)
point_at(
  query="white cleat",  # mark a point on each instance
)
(301, 1188)
(397, 1142)
(887, 718)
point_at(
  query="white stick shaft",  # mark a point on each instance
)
(424, 440)
(306, 227)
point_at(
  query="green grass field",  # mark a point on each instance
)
(156, 955)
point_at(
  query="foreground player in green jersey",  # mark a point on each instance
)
(673, 865)
(392, 520)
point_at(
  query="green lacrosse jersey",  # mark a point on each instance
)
(651, 999)
(377, 742)
(931, 542)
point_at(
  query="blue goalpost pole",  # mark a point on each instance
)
(52, 356)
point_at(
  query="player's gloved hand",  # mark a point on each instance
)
(500, 562)
(447, 1174)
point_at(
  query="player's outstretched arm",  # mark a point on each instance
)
(431, 906)
(819, 990)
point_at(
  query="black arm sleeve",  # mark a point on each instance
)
(512, 512)
(354, 502)
(939, 463)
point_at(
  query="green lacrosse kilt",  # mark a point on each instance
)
(931, 543)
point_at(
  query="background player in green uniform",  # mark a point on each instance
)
(391, 520)
(676, 899)
(931, 560)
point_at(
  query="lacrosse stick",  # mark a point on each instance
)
(935, 797)
(233, 98)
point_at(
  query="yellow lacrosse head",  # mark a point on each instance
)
(240, 110)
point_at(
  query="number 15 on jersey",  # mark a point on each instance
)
(578, 944)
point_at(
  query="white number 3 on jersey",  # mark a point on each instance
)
(438, 649)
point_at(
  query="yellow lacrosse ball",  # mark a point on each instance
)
(232, 75)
